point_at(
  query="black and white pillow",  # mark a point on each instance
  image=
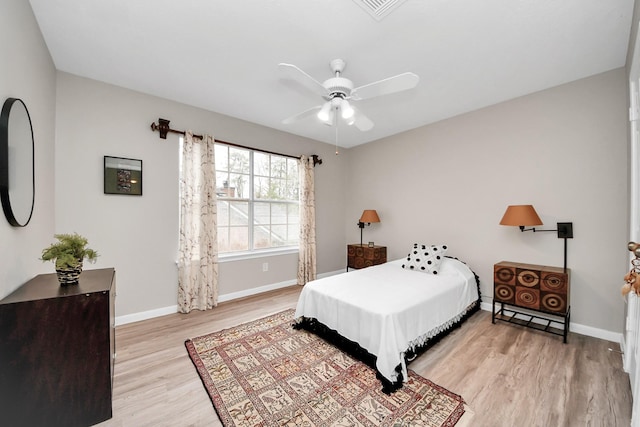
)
(425, 258)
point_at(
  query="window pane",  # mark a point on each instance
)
(261, 237)
(239, 185)
(260, 187)
(238, 160)
(278, 235)
(278, 213)
(292, 192)
(238, 239)
(278, 189)
(238, 213)
(292, 169)
(293, 211)
(222, 185)
(261, 164)
(222, 177)
(222, 158)
(223, 239)
(278, 167)
(261, 213)
(223, 214)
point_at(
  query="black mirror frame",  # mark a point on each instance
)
(4, 163)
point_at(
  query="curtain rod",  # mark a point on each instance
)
(163, 128)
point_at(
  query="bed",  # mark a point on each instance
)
(390, 310)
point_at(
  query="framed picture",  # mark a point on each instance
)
(371, 244)
(122, 176)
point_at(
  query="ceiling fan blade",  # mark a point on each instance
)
(362, 122)
(295, 73)
(386, 86)
(302, 115)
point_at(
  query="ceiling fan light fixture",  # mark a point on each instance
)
(347, 110)
(323, 114)
(330, 118)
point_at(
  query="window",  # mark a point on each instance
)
(258, 206)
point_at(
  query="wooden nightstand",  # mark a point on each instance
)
(361, 256)
(536, 288)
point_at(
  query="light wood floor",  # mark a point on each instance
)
(508, 375)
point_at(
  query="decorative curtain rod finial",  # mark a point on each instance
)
(162, 127)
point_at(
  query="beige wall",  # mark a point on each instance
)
(563, 150)
(27, 72)
(139, 235)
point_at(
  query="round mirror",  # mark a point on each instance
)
(17, 175)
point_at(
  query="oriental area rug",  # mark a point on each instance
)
(266, 373)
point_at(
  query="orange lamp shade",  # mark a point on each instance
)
(520, 215)
(370, 216)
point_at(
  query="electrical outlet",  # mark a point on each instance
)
(265, 266)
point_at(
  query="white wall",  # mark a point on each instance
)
(27, 72)
(139, 235)
(564, 150)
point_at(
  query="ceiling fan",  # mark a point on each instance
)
(338, 92)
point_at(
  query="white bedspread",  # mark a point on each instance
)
(387, 309)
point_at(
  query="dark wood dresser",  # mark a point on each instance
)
(538, 288)
(361, 256)
(57, 349)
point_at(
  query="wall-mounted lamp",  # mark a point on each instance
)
(526, 216)
(368, 216)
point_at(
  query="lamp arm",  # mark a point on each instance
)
(565, 231)
(533, 229)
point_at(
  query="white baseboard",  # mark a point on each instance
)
(144, 315)
(150, 314)
(255, 291)
(577, 328)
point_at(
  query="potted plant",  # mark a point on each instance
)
(67, 254)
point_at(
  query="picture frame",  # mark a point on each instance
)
(371, 244)
(122, 176)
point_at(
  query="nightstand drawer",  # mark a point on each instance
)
(361, 256)
(535, 287)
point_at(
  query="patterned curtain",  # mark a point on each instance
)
(198, 251)
(307, 253)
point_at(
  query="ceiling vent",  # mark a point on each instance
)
(379, 8)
